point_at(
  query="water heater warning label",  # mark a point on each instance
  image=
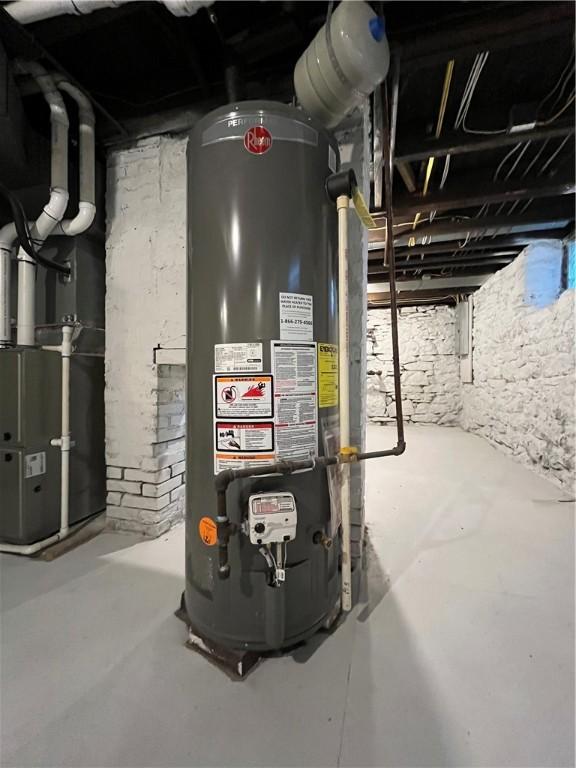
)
(241, 460)
(295, 396)
(237, 358)
(245, 436)
(243, 444)
(296, 317)
(243, 397)
(327, 375)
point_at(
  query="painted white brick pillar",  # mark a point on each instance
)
(145, 308)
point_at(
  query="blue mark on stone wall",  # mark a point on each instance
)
(543, 273)
(571, 266)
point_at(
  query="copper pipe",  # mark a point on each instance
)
(390, 261)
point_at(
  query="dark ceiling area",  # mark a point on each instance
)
(469, 197)
(481, 97)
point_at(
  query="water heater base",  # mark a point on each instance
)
(235, 663)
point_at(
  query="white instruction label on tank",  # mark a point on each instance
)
(238, 358)
(35, 464)
(243, 397)
(296, 317)
(295, 399)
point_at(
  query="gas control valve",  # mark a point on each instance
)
(272, 518)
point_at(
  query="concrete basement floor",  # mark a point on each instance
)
(461, 653)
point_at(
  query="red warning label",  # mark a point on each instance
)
(243, 397)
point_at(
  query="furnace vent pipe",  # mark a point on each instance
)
(31, 11)
(54, 209)
(52, 213)
(5, 323)
(87, 163)
(58, 118)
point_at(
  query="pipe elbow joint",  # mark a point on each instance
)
(341, 184)
(80, 223)
(56, 206)
(8, 237)
(47, 86)
(85, 111)
(58, 111)
(223, 480)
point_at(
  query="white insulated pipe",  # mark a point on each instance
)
(8, 237)
(64, 442)
(53, 211)
(344, 396)
(58, 118)
(26, 314)
(5, 320)
(29, 549)
(51, 215)
(87, 163)
(30, 11)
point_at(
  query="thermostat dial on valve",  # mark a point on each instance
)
(272, 518)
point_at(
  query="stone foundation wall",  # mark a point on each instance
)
(523, 396)
(430, 366)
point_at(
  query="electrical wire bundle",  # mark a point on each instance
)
(557, 94)
(566, 78)
(473, 78)
(25, 238)
(460, 122)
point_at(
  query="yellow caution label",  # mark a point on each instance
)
(362, 210)
(327, 375)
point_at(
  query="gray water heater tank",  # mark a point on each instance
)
(261, 373)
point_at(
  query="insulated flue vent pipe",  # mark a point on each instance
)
(5, 320)
(54, 209)
(87, 179)
(31, 11)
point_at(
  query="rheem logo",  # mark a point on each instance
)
(258, 140)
